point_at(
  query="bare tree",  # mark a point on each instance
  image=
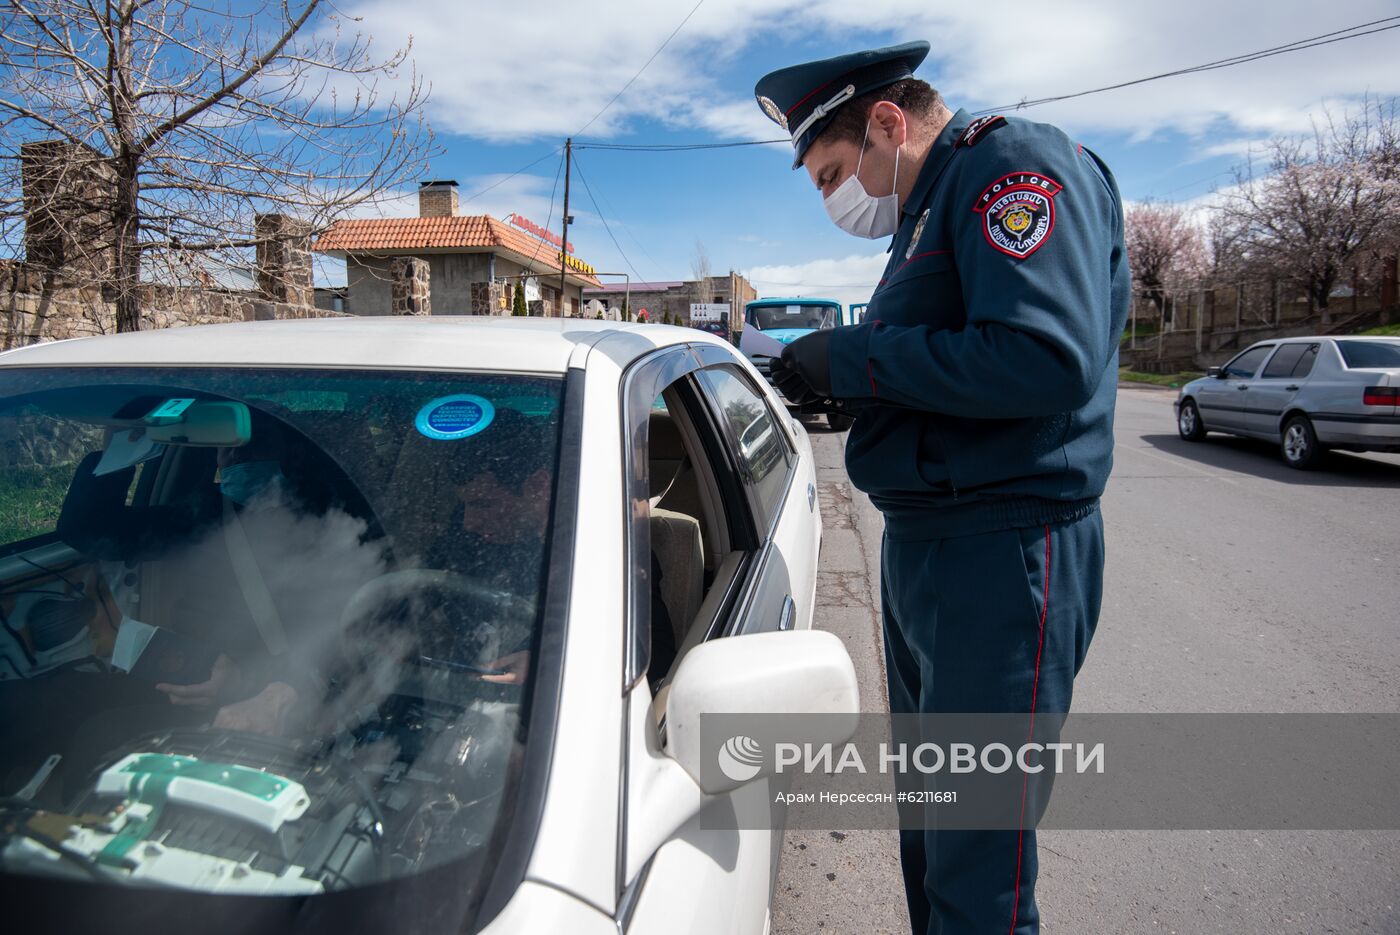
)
(146, 133)
(1164, 249)
(1324, 203)
(700, 262)
(700, 269)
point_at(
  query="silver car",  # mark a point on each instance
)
(1306, 394)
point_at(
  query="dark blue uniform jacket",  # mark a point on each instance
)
(985, 372)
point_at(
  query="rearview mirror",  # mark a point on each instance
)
(790, 672)
(206, 424)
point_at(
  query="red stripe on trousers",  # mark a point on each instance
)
(1035, 688)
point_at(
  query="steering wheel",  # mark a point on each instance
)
(433, 618)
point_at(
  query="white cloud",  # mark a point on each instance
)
(515, 71)
(846, 279)
(529, 68)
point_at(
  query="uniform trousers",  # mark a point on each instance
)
(994, 623)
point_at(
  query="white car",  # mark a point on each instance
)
(396, 624)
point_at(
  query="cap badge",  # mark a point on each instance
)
(771, 109)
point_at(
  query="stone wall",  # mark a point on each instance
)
(35, 308)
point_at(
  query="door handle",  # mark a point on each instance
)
(1291, 388)
(1242, 388)
(788, 615)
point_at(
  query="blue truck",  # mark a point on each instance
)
(770, 324)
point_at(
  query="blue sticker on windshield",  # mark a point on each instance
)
(451, 417)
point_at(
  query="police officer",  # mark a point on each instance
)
(983, 382)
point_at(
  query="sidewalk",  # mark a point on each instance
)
(844, 881)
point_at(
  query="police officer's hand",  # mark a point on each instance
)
(803, 372)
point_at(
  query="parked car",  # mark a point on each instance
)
(396, 624)
(771, 324)
(1306, 394)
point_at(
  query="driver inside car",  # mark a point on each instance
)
(283, 541)
(504, 509)
(229, 677)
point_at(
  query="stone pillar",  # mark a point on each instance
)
(409, 286)
(284, 259)
(69, 193)
(486, 298)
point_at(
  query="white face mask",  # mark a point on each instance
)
(859, 213)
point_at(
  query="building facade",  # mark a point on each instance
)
(670, 300)
(445, 263)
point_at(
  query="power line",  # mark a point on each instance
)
(588, 188)
(603, 198)
(663, 45)
(1339, 35)
(1327, 38)
(674, 147)
(499, 182)
(552, 192)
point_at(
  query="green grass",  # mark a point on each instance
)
(1144, 329)
(30, 500)
(1385, 330)
(1157, 379)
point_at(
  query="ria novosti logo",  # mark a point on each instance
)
(740, 758)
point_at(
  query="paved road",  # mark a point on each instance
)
(1233, 583)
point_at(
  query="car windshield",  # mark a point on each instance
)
(774, 317)
(268, 631)
(1370, 353)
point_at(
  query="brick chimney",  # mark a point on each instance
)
(437, 199)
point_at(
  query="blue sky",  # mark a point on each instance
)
(510, 81)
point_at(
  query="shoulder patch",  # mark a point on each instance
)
(980, 128)
(1018, 212)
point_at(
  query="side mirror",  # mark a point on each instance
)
(1217, 373)
(790, 672)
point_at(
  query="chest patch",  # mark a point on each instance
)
(1018, 212)
(918, 232)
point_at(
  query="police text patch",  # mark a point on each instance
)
(1018, 212)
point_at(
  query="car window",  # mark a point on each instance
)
(797, 315)
(1245, 364)
(1282, 363)
(345, 569)
(758, 442)
(1369, 353)
(1305, 362)
(41, 455)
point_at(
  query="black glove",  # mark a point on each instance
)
(803, 372)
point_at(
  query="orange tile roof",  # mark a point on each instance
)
(397, 235)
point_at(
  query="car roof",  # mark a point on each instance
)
(1378, 338)
(445, 342)
(795, 301)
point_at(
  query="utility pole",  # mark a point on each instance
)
(564, 243)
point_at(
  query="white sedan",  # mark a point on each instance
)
(392, 624)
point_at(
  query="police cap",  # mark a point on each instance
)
(802, 99)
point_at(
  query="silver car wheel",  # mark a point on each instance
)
(1187, 419)
(1295, 443)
